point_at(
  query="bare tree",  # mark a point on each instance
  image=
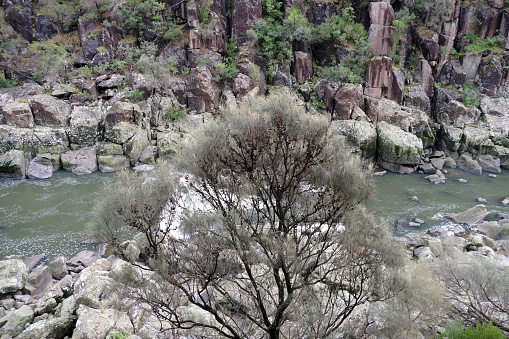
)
(276, 243)
(477, 290)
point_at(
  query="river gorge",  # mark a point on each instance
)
(50, 216)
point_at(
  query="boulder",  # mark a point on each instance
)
(396, 89)
(136, 145)
(381, 30)
(470, 217)
(242, 85)
(39, 280)
(121, 111)
(499, 233)
(59, 327)
(424, 75)
(417, 98)
(82, 161)
(120, 133)
(477, 140)
(40, 168)
(86, 258)
(346, 98)
(18, 114)
(108, 148)
(84, 125)
(397, 146)
(360, 133)
(428, 43)
(496, 113)
(112, 163)
(12, 165)
(50, 111)
(470, 64)
(302, 67)
(451, 137)
(423, 253)
(58, 267)
(167, 144)
(113, 81)
(13, 274)
(93, 323)
(489, 163)
(90, 37)
(49, 140)
(60, 90)
(466, 163)
(456, 114)
(203, 95)
(91, 288)
(14, 323)
(148, 155)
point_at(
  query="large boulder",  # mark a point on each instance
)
(39, 280)
(378, 76)
(18, 13)
(14, 323)
(456, 114)
(13, 274)
(303, 67)
(91, 288)
(451, 137)
(167, 144)
(18, 114)
(58, 267)
(490, 74)
(496, 113)
(135, 146)
(112, 163)
(59, 327)
(360, 133)
(489, 163)
(40, 168)
(470, 217)
(346, 98)
(82, 161)
(120, 133)
(13, 138)
(466, 163)
(50, 111)
(203, 93)
(397, 146)
(381, 29)
(12, 165)
(93, 323)
(49, 140)
(84, 125)
(477, 140)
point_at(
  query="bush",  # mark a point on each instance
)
(479, 331)
(275, 239)
(479, 46)
(6, 83)
(175, 113)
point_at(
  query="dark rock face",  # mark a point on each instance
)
(490, 74)
(203, 93)
(44, 28)
(18, 13)
(321, 12)
(379, 76)
(346, 98)
(90, 37)
(381, 29)
(244, 14)
(428, 43)
(302, 67)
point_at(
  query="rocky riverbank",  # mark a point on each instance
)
(82, 296)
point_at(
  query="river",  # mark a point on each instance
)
(49, 216)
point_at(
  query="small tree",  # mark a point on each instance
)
(275, 242)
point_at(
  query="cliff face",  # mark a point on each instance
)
(134, 75)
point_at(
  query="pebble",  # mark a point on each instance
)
(481, 200)
(420, 221)
(413, 224)
(505, 201)
(492, 175)
(459, 230)
(462, 180)
(414, 198)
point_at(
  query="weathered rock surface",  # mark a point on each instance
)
(40, 167)
(397, 146)
(360, 133)
(82, 161)
(94, 323)
(12, 165)
(17, 114)
(84, 125)
(50, 111)
(13, 274)
(112, 163)
(470, 217)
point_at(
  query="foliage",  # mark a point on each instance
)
(175, 113)
(344, 33)
(134, 95)
(403, 19)
(476, 290)
(6, 83)
(203, 15)
(269, 238)
(54, 61)
(95, 9)
(479, 331)
(470, 96)
(139, 17)
(116, 334)
(479, 46)
(227, 70)
(65, 13)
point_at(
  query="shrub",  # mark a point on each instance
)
(175, 113)
(479, 46)
(6, 83)
(470, 97)
(478, 331)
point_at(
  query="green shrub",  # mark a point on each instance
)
(479, 46)
(227, 70)
(203, 15)
(134, 95)
(6, 83)
(479, 331)
(175, 113)
(470, 98)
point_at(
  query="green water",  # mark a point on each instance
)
(393, 193)
(49, 216)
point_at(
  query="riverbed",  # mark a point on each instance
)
(50, 216)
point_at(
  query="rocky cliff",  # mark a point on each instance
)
(109, 84)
